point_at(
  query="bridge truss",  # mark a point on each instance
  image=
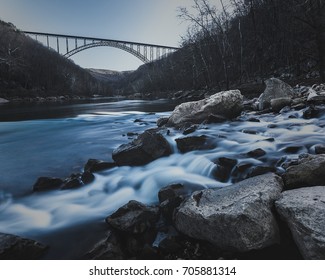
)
(68, 45)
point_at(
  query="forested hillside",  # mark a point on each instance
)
(28, 69)
(245, 41)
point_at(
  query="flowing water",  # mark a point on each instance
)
(59, 139)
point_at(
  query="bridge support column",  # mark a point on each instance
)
(67, 44)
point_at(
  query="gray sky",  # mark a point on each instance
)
(146, 21)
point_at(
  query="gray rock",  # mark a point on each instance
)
(171, 191)
(227, 104)
(236, 218)
(278, 103)
(310, 112)
(304, 211)
(148, 146)
(2, 100)
(134, 217)
(107, 249)
(315, 97)
(72, 182)
(256, 153)
(260, 170)
(275, 88)
(309, 171)
(162, 121)
(13, 247)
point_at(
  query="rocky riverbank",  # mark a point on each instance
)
(265, 212)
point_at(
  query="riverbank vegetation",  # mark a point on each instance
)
(237, 45)
(28, 69)
(244, 42)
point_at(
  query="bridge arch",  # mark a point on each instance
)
(117, 45)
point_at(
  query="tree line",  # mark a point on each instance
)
(27, 68)
(244, 41)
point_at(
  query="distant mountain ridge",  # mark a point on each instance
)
(108, 75)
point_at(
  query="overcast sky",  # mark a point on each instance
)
(146, 21)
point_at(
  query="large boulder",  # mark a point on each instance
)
(149, 146)
(227, 104)
(275, 89)
(304, 211)
(309, 171)
(13, 247)
(236, 218)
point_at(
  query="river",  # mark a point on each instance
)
(58, 139)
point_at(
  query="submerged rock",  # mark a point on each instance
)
(235, 218)
(13, 247)
(275, 89)
(149, 146)
(304, 211)
(227, 104)
(308, 171)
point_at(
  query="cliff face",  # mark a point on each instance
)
(28, 69)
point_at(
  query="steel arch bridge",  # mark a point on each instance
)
(68, 45)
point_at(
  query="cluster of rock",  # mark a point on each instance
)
(262, 210)
(249, 216)
(253, 214)
(278, 95)
(74, 180)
